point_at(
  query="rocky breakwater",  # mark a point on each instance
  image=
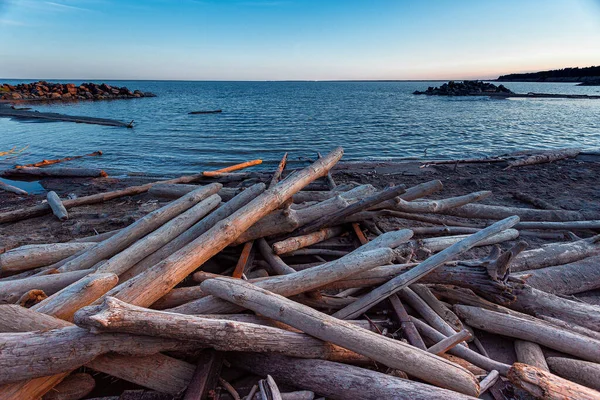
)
(47, 91)
(466, 88)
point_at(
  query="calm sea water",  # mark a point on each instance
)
(371, 120)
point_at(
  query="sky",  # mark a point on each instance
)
(294, 39)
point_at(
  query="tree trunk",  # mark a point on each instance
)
(299, 242)
(177, 297)
(556, 254)
(544, 385)
(397, 283)
(412, 193)
(450, 342)
(57, 206)
(175, 191)
(530, 353)
(484, 211)
(276, 263)
(433, 206)
(392, 353)
(10, 291)
(583, 372)
(408, 328)
(38, 255)
(531, 329)
(545, 157)
(139, 229)
(339, 381)
(440, 309)
(205, 376)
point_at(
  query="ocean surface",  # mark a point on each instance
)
(371, 120)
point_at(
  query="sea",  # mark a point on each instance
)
(370, 120)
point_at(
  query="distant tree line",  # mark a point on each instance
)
(555, 74)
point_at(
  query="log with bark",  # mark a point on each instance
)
(38, 255)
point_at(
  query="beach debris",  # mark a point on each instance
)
(58, 209)
(236, 167)
(44, 163)
(278, 291)
(206, 112)
(46, 116)
(55, 172)
(51, 91)
(13, 189)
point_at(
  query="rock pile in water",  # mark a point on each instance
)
(43, 90)
(465, 88)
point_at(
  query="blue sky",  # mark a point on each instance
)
(294, 39)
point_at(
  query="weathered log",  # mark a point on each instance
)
(299, 282)
(556, 254)
(45, 163)
(121, 262)
(575, 277)
(461, 351)
(412, 193)
(434, 206)
(450, 342)
(570, 225)
(431, 219)
(489, 381)
(198, 229)
(276, 263)
(268, 389)
(298, 242)
(38, 255)
(297, 395)
(570, 326)
(31, 298)
(544, 385)
(408, 328)
(65, 302)
(531, 329)
(279, 171)
(394, 354)
(421, 307)
(534, 201)
(235, 167)
(73, 387)
(485, 211)
(535, 302)
(443, 230)
(96, 238)
(365, 203)
(339, 381)
(583, 372)
(530, 353)
(57, 206)
(175, 191)
(392, 286)
(205, 376)
(13, 189)
(139, 229)
(57, 172)
(149, 286)
(177, 297)
(244, 261)
(440, 309)
(10, 291)
(545, 157)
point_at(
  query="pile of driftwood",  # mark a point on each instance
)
(283, 286)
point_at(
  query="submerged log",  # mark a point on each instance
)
(339, 381)
(38, 255)
(544, 385)
(57, 206)
(583, 372)
(397, 283)
(394, 354)
(55, 172)
(45, 163)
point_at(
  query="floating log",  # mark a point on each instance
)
(73, 387)
(13, 189)
(544, 385)
(530, 353)
(139, 229)
(556, 254)
(394, 354)
(206, 112)
(531, 329)
(57, 207)
(395, 284)
(235, 167)
(545, 157)
(339, 381)
(24, 114)
(583, 372)
(54, 172)
(45, 163)
(38, 255)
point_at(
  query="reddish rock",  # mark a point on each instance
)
(55, 96)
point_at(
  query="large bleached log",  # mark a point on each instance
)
(73, 387)
(484, 211)
(583, 372)
(461, 351)
(544, 157)
(60, 172)
(546, 386)
(57, 206)
(530, 353)
(68, 348)
(433, 206)
(149, 286)
(10, 291)
(339, 381)
(570, 326)
(440, 309)
(412, 193)
(13, 189)
(198, 229)
(556, 254)
(65, 302)
(392, 353)
(138, 229)
(150, 243)
(38, 255)
(395, 284)
(223, 335)
(298, 282)
(175, 191)
(158, 372)
(531, 329)
(575, 277)
(298, 242)
(570, 225)
(363, 204)
(536, 302)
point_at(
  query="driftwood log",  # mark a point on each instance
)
(58, 209)
(583, 372)
(38, 255)
(57, 172)
(530, 353)
(13, 189)
(73, 387)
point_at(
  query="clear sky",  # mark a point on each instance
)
(294, 39)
